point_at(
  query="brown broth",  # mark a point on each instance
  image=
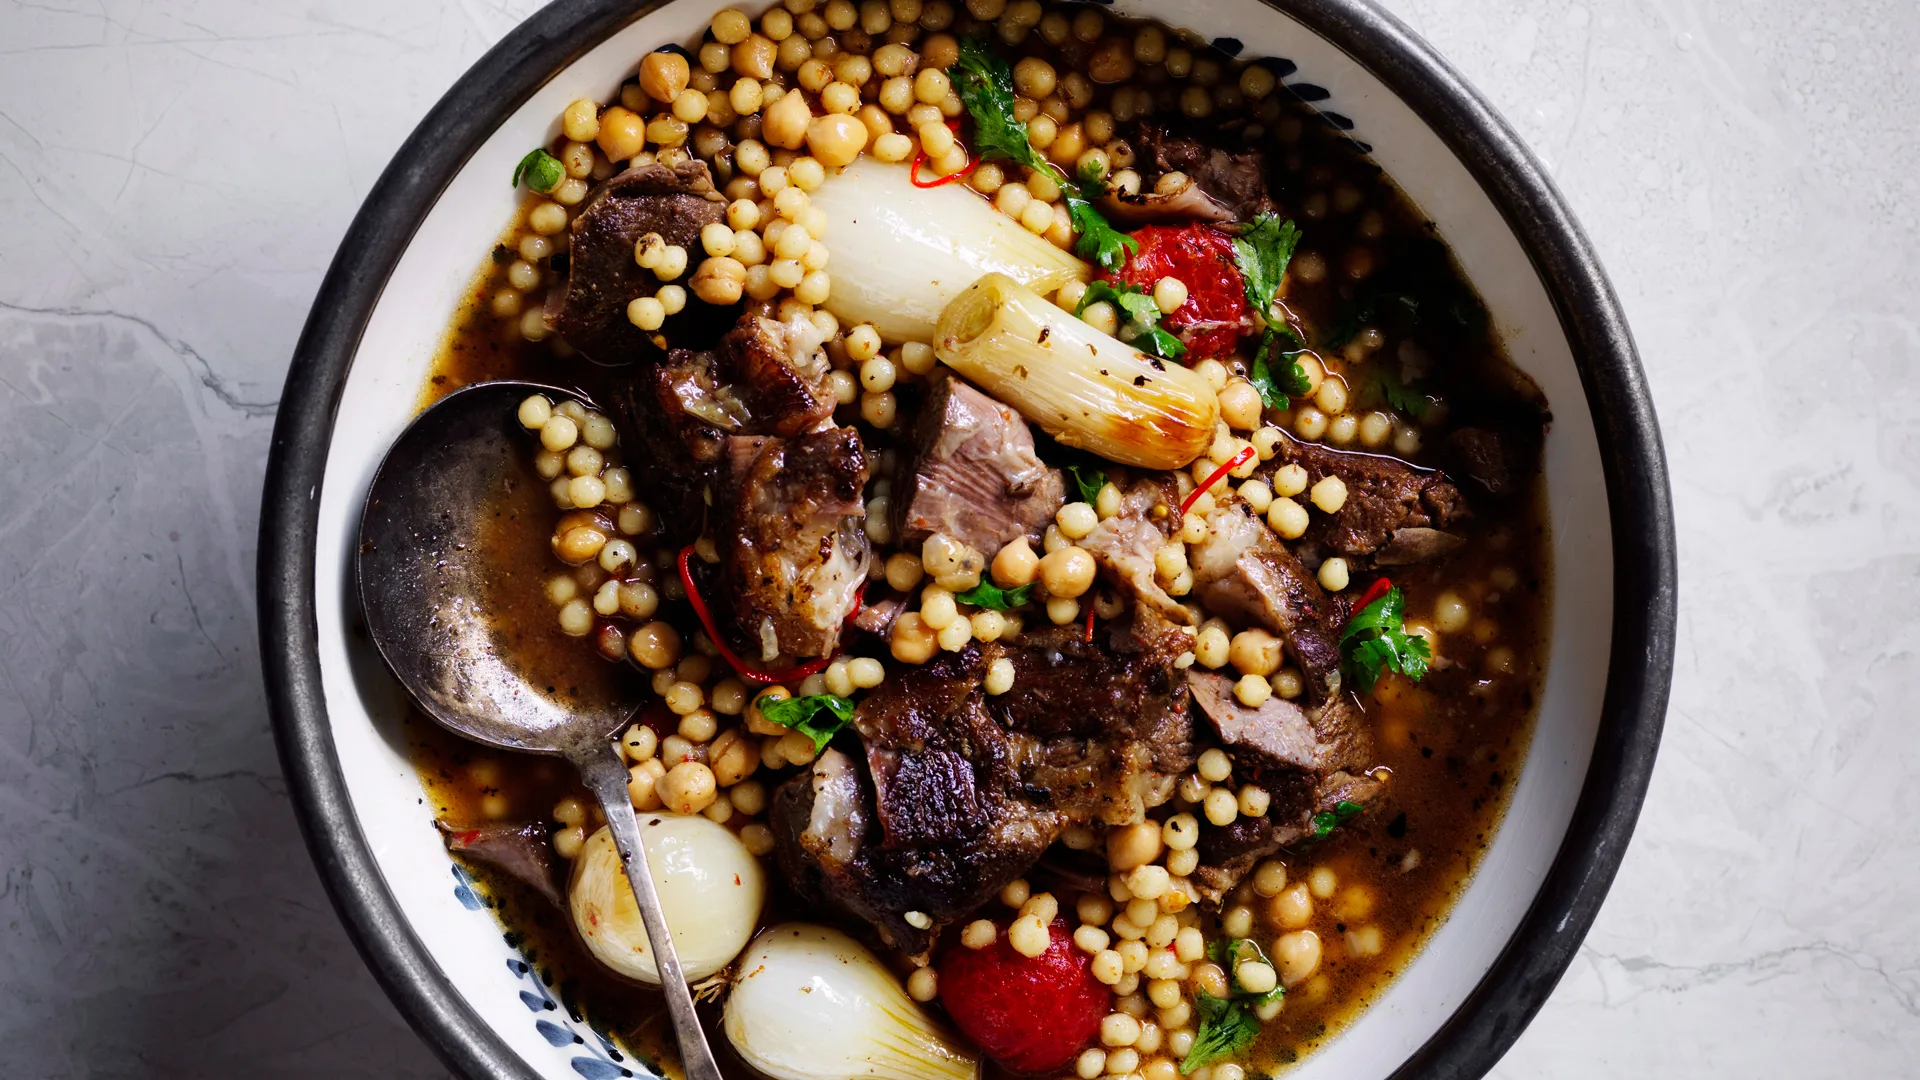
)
(1454, 743)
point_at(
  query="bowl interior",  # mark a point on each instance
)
(406, 327)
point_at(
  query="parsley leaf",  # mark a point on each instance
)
(1226, 1029)
(984, 81)
(1142, 314)
(1089, 479)
(1401, 397)
(1375, 640)
(541, 170)
(1326, 821)
(991, 596)
(1262, 254)
(804, 715)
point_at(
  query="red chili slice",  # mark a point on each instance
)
(1245, 455)
(913, 170)
(747, 671)
(1215, 316)
(1380, 588)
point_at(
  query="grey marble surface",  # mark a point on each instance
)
(174, 179)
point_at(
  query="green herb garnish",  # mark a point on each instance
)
(984, 81)
(541, 170)
(1419, 293)
(991, 596)
(1142, 314)
(1229, 954)
(1099, 241)
(817, 716)
(1089, 479)
(1326, 821)
(1226, 1028)
(1375, 640)
(1401, 397)
(1291, 382)
(1262, 254)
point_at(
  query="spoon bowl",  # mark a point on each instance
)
(429, 566)
(429, 577)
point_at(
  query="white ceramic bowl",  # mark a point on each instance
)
(384, 306)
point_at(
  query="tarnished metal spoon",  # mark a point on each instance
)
(425, 570)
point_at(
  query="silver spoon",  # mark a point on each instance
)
(423, 569)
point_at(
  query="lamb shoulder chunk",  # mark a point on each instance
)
(602, 277)
(1242, 572)
(971, 473)
(1386, 497)
(764, 378)
(793, 552)
(1125, 544)
(1233, 179)
(522, 851)
(1308, 759)
(961, 792)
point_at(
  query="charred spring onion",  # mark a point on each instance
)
(1083, 387)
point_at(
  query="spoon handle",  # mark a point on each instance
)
(605, 775)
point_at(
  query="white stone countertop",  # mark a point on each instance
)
(174, 179)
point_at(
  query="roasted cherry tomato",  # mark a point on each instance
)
(1215, 317)
(1030, 1014)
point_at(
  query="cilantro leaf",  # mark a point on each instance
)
(1401, 397)
(1326, 821)
(541, 170)
(1291, 382)
(1262, 254)
(1226, 1029)
(984, 81)
(1375, 640)
(1099, 241)
(1089, 479)
(1086, 472)
(991, 596)
(1142, 315)
(804, 715)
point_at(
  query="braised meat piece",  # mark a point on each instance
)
(879, 612)
(1241, 571)
(764, 378)
(793, 552)
(1501, 461)
(602, 277)
(971, 473)
(1105, 726)
(669, 476)
(963, 791)
(1235, 179)
(1185, 203)
(1385, 497)
(1308, 759)
(830, 850)
(523, 852)
(1125, 545)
